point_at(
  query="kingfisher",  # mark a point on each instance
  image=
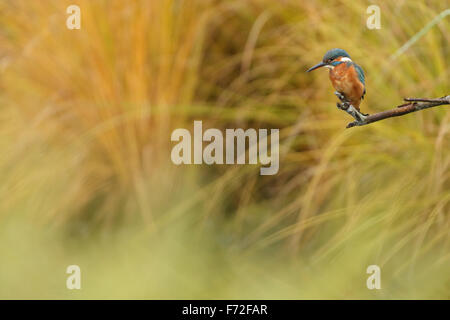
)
(346, 76)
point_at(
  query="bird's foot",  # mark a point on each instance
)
(340, 97)
(351, 110)
(343, 106)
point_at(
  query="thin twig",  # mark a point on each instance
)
(413, 105)
(424, 100)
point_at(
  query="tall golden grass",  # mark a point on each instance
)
(86, 177)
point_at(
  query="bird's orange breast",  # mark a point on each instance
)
(345, 80)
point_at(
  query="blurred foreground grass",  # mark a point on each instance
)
(86, 176)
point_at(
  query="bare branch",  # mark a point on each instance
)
(412, 105)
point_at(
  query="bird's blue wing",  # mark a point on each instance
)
(361, 77)
(360, 73)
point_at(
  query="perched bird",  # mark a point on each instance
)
(345, 75)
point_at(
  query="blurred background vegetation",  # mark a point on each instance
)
(86, 176)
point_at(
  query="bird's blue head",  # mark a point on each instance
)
(329, 59)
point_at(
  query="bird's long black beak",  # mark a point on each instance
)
(317, 66)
